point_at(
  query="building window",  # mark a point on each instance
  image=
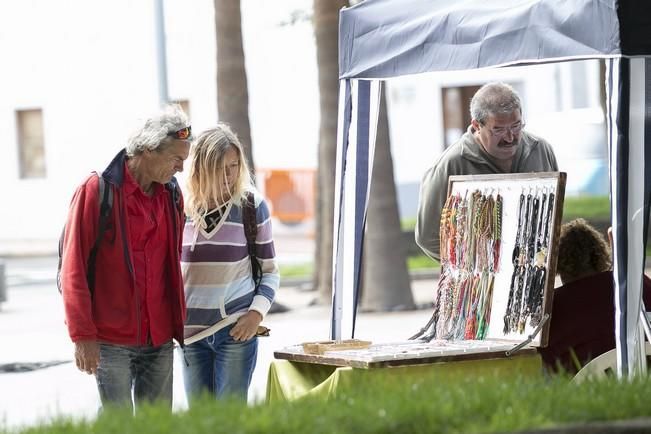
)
(31, 144)
(456, 112)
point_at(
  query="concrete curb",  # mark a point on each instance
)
(631, 426)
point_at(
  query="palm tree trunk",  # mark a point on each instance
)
(326, 27)
(386, 284)
(232, 87)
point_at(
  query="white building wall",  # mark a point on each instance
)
(91, 67)
(88, 77)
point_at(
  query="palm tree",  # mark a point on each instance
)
(326, 27)
(232, 87)
(386, 284)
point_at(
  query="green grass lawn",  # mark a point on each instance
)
(423, 404)
(304, 270)
(595, 208)
(296, 270)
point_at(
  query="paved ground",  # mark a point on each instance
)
(32, 330)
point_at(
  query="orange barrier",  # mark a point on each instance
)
(290, 193)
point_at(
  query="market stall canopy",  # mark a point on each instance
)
(380, 39)
(388, 38)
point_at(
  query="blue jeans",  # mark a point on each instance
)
(219, 365)
(145, 371)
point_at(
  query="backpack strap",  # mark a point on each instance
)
(251, 232)
(105, 206)
(175, 192)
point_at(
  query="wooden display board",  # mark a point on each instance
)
(512, 188)
(519, 195)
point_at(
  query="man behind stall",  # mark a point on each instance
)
(494, 143)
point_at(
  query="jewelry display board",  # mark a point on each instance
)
(498, 258)
(499, 247)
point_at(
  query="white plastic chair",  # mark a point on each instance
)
(601, 367)
(606, 364)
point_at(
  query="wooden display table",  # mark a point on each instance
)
(301, 375)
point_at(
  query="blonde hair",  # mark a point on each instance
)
(207, 169)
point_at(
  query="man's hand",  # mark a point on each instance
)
(246, 326)
(87, 356)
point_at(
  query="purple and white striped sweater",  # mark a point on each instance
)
(217, 275)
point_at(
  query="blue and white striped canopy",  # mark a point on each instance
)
(380, 39)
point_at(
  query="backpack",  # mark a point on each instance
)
(105, 207)
(251, 232)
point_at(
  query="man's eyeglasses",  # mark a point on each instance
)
(502, 131)
(182, 134)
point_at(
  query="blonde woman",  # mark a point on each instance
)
(224, 304)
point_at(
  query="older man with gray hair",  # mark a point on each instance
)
(120, 274)
(495, 142)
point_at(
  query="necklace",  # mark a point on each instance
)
(516, 248)
(516, 259)
(485, 303)
(541, 269)
(540, 254)
(470, 235)
(497, 233)
(446, 228)
(529, 271)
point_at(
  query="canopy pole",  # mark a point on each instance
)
(357, 126)
(628, 126)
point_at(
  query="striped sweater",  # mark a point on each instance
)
(217, 274)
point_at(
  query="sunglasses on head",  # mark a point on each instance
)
(181, 134)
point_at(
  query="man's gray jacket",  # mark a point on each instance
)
(467, 157)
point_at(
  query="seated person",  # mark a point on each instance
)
(583, 312)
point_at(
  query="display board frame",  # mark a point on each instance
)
(510, 186)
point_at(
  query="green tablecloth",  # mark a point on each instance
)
(292, 380)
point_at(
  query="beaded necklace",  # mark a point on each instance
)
(529, 260)
(540, 232)
(470, 234)
(517, 261)
(497, 233)
(461, 231)
(540, 269)
(462, 308)
(471, 319)
(485, 304)
(444, 233)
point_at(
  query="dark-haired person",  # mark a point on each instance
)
(123, 320)
(583, 312)
(495, 142)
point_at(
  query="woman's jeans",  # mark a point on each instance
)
(219, 365)
(147, 371)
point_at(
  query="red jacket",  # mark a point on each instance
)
(112, 314)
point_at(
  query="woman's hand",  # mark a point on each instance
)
(246, 326)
